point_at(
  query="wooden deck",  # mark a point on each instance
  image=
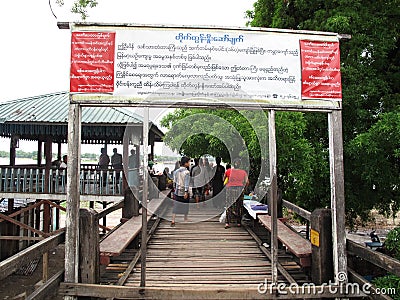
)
(204, 254)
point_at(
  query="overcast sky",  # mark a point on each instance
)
(35, 54)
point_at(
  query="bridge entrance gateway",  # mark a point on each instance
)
(246, 69)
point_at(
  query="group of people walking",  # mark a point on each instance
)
(202, 178)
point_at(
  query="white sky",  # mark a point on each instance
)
(35, 54)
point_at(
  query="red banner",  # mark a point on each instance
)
(320, 65)
(92, 62)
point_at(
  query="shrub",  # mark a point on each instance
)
(392, 242)
(388, 285)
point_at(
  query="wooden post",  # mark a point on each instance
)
(73, 196)
(337, 192)
(39, 154)
(321, 240)
(37, 216)
(57, 216)
(48, 154)
(59, 150)
(32, 214)
(46, 229)
(24, 231)
(273, 195)
(125, 162)
(89, 253)
(45, 276)
(46, 217)
(131, 204)
(13, 146)
(143, 245)
(105, 217)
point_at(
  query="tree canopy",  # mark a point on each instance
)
(79, 7)
(370, 65)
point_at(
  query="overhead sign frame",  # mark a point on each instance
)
(307, 100)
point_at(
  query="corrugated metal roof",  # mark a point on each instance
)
(53, 108)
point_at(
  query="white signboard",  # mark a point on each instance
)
(228, 65)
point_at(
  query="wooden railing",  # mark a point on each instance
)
(45, 240)
(33, 179)
(355, 250)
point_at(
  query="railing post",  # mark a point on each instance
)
(89, 253)
(131, 204)
(321, 240)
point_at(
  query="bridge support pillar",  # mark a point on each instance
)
(89, 253)
(131, 203)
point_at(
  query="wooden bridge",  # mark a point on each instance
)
(204, 254)
(200, 254)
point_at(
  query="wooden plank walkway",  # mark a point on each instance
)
(206, 254)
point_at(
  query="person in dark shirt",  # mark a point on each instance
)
(217, 182)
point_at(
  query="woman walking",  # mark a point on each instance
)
(237, 182)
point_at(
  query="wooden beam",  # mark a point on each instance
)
(308, 106)
(51, 203)
(145, 195)
(179, 292)
(39, 153)
(361, 281)
(22, 225)
(13, 146)
(61, 197)
(110, 209)
(48, 152)
(73, 194)
(337, 192)
(13, 263)
(379, 259)
(49, 289)
(23, 210)
(273, 195)
(297, 209)
(45, 263)
(21, 238)
(125, 162)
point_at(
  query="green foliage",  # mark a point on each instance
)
(392, 242)
(373, 157)
(80, 7)
(370, 65)
(390, 284)
(303, 166)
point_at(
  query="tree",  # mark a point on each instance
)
(370, 76)
(79, 6)
(300, 163)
